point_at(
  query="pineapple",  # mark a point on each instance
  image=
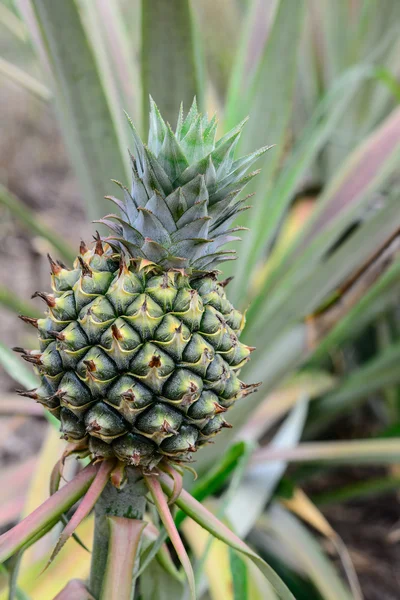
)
(139, 353)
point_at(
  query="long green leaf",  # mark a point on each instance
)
(375, 375)
(219, 43)
(34, 526)
(374, 160)
(166, 517)
(34, 224)
(157, 584)
(216, 475)
(270, 104)
(376, 301)
(10, 20)
(19, 594)
(14, 367)
(314, 136)
(122, 30)
(239, 576)
(260, 15)
(207, 520)
(358, 490)
(12, 302)
(226, 500)
(24, 80)
(384, 451)
(260, 480)
(157, 548)
(84, 113)
(326, 277)
(344, 202)
(307, 553)
(309, 384)
(169, 70)
(373, 35)
(215, 478)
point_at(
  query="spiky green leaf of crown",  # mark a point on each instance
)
(184, 195)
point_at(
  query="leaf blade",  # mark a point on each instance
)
(207, 520)
(85, 117)
(35, 224)
(169, 70)
(382, 451)
(165, 514)
(46, 514)
(125, 535)
(89, 500)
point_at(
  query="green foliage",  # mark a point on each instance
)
(85, 117)
(170, 73)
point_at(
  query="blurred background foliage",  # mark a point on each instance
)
(309, 474)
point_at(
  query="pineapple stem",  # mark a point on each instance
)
(128, 502)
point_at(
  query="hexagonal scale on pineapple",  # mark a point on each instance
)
(206, 407)
(102, 422)
(212, 326)
(121, 342)
(152, 367)
(172, 336)
(72, 344)
(64, 308)
(49, 324)
(97, 371)
(183, 388)
(204, 285)
(124, 289)
(100, 449)
(232, 387)
(62, 279)
(197, 355)
(162, 289)
(129, 397)
(96, 317)
(182, 443)
(108, 261)
(50, 360)
(237, 355)
(188, 307)
(218, 373)
(87, 288)
(74, 394)
(144, 314)
(135, 450)
(235, 320)
(159, 422)
(213, 427)
(72, 428)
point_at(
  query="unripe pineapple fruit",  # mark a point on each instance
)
(139, 353)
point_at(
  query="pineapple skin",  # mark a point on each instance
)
(137, 362)
(139, 353)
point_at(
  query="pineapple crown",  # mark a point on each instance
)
(184, 195)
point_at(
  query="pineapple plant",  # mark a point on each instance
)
(139, 356)
(139, 352)
(271, 322)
